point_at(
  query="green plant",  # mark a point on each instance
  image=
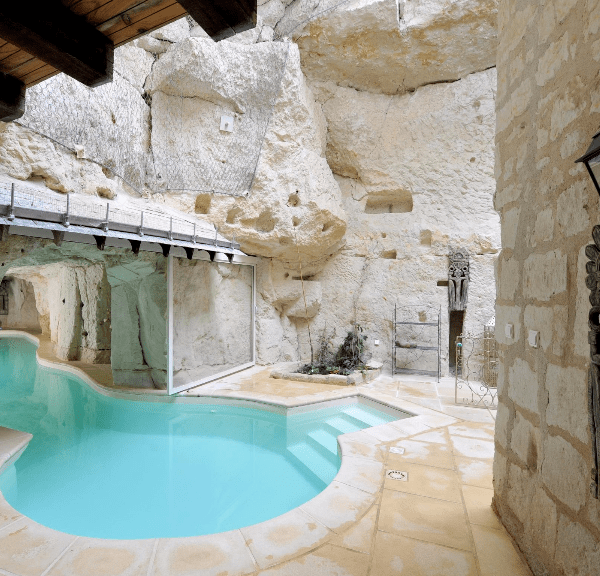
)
(347, 358)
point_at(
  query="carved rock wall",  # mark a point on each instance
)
(366, 175)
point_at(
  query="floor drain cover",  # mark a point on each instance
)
(397, 475)
(397, 450)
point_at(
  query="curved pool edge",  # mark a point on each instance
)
(341, 505)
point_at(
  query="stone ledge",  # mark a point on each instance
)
(355, 379)
(12, 445)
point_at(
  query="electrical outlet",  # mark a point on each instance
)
(509, 331)
(534, 339)
(226, 124)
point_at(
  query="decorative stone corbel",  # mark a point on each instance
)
(458, 280)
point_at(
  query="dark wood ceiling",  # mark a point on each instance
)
(124, 20)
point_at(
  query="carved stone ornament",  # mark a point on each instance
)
(592, 281)
(3, 298)
(458, 280)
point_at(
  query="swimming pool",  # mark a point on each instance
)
(110, 468)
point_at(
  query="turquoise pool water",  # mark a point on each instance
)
(110, 468)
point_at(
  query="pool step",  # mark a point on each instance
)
(345, 425)
(316, 462)
(326, 439)
(366, 417)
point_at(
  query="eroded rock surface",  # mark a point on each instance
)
(390, 46)
(294, 199)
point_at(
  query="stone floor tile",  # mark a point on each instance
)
(28, 548)
(368, 451)
(439, 436)
(339, 506)
(360, 437)
(466, 413)
(88, 556)
(360, 473)
(386, 433)
(479, 506)
(438, 420)
(326, 561)
(474, 472)
(421, 453)
(360, 536)
(411, 426)
(284, 537)
(433, 403)
(473, 430)
(398, 556)
(7, 513)
(472, 447)
(424, 519)
(496, 553)
(210, 555)
(427, 481)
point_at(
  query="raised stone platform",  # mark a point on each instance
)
(355, 379)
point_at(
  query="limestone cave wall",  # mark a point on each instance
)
(376, 161)
(547, 111)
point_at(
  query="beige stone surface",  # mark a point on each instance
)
(28, 549)
(105, 558)
(396, 555)
(426, 481)
(406, 45)
(212, 555)
(429, 453)
(478, 502)
(326, 560)
(496, 553)
(284, 537)
(424, 519)
(360, 536)
(339, 506)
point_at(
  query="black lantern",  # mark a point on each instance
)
(591, 159)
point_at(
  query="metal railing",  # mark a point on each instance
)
(19, 201)
(476, 369)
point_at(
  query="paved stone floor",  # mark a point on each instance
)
(437, 523)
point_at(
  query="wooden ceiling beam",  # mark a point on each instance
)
(49, 31)
(12, 97)
(223, 18)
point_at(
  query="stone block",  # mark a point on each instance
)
(551, 61)
(519, 493)
(525, 441)
(523, 386)
(565, 472)
(541, 523)
(540, 319)
(545, 275)
(567, 400)
(571, 209)
(502, 423)
(508, 278)
(577, 550)
(508, 315)
(510, 223)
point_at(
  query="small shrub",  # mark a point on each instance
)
(344, 361)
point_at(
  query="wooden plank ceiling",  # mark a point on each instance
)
(125, 20)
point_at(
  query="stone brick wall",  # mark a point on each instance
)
(548, 108)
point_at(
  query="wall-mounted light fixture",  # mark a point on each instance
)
(591, 159)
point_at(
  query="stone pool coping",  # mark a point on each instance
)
(357, 377)
(247, 550)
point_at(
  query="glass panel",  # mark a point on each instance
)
(212, 320)
(138, 319)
